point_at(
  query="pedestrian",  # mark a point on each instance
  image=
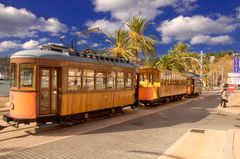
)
(224, 98)
(221, 97)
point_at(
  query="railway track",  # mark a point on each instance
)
(24, 131)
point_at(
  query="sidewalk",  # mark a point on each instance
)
(233, 105)
(205, 144)
(209, 144)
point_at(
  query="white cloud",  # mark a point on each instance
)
(108, 27)
(185, 6)
(205, 39)
(31, 44)
(7, 45)
(44, 39)
(184, 28)
(238, 12)
(124, 9)
(52, 25)
(95, 45)
(23, 23)
(121, 10)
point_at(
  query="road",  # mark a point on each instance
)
(144, 133)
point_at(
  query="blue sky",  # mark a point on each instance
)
(206, 25)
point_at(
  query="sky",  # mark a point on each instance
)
(205, 25)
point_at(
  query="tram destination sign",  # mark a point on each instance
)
(236, 64)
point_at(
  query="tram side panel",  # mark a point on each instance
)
(75, 103)
(87, 101)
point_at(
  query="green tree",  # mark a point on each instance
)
(140, 42)
(122, 47)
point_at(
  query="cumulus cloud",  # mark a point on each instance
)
(108, 27)
(31, 44)
(238, 12)
(124, 9)
(185, 6)
(184, 28)
(121, 10)
(205, 39)
(23, 23)
(44, 39)
(7, 45)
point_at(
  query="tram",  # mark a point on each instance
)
(54, 85)
(49, 85)
(159, 85)
(194, 85)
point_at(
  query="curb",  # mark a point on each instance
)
(165, 154)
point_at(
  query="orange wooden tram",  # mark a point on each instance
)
(49, 86)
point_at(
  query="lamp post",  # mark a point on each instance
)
(199, 61)
(201, 64)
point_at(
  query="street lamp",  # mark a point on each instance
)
(201, 64)
(199, 61)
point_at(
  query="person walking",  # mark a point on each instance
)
(224, 98)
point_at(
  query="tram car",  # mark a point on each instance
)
(49, 85)
(194, 85)
(159, 85)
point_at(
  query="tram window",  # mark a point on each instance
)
(156, 78)
(74, 79)
(13, 75)
(128, 80)
(150, 78)
(111, 80)
(45, 75)
(120, 80)
(26, 75)
(88, 80)
(100, 81)
(173, 79)
(141, 77)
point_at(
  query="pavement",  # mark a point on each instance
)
(190, 129)
(209, 144)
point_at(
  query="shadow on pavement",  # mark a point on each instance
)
(187, 113)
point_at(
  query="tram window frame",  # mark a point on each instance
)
(76, 78)
(32, 77)
(103, 80)
(120, 78)
(111, 76)
(15, 80)
(86, 77)
(128, 77)
(156, 77)
(141, 77)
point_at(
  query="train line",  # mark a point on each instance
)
(14, 133)
(32, 129)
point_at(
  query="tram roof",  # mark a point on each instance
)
(85, 58)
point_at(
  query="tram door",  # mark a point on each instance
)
(48, 91)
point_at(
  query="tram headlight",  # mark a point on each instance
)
(12, 106)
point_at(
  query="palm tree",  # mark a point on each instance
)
(140, 42)
(122, 47)
(151, 62)
(170, 63)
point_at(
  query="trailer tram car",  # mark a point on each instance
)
(158, 85)
(194, 85)
(53, 86)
